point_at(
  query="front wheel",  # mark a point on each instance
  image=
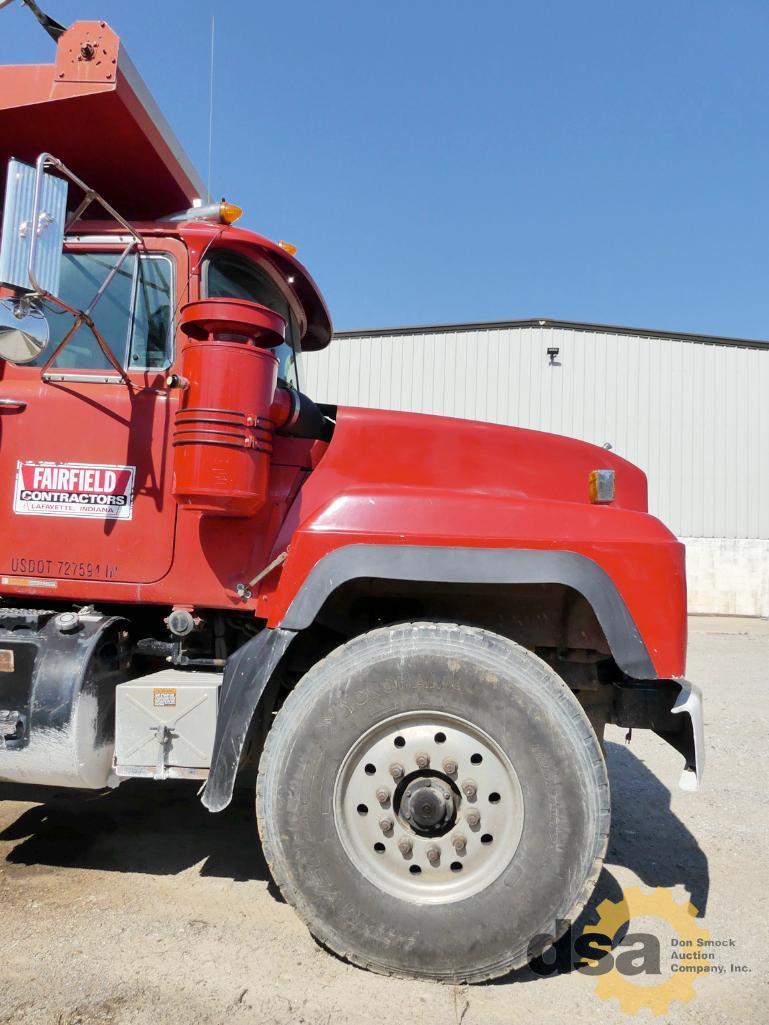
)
(433, 802)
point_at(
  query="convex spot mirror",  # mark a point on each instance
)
(23, 331)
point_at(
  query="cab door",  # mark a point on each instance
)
(85, 478)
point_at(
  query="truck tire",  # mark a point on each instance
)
(434, 803)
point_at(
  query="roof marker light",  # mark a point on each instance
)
(229, 213)
(288, 246)
(224, 213)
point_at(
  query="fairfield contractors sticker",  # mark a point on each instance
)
(81, 490)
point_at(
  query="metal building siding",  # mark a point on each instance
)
(691, 414)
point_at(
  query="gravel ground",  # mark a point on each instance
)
(138, 906)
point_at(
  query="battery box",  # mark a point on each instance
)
(165, 724)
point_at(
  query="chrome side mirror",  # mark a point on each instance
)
(23, 331)
(34, 216)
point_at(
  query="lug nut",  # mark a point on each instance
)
(396, 771)
(422, 760)
(469, 789)
(449, 766)
(383, 795)
(433, 855)
(473, 818)
(405, 846)
(386, 825)
(459, 843)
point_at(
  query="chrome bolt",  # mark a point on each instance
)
(449, 766)
(433, 855)
(405, 846)
(469, 789)
(396, 771)
(383, 795)
(473, 818)
(459, 843)
(386, 825)
(422, 760)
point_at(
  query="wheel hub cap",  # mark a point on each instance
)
(428, 807)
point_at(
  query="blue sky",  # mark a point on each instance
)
(454, 161)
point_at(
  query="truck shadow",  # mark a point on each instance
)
(647, 839)
(162, 829)
(646, 836)
(145, 827)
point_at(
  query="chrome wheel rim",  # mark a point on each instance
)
(428, 807)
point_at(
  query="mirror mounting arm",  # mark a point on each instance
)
(90, 196)
(85, 318)
(107, 351)
(27, 233)
(47, 160)
(81, 208)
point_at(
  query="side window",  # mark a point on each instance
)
(133, 315)
(290, 355)
(151, 328)
(287, 367)
(232, 276)
(82, 274)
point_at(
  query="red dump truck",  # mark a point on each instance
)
(407, 632)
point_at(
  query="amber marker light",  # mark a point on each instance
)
(601, 486)
(229, 213)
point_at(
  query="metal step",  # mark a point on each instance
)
(25, 619)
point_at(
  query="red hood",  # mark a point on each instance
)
(376, 446)
(405, 479)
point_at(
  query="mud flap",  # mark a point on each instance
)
(246, 676)
(673, 710)
(689, 706)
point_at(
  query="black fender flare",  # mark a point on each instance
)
(249, 669)
(480, 566)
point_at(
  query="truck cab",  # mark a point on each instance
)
(120, 432)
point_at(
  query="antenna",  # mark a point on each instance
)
(211, 107)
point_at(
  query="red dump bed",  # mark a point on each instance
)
(92, 110)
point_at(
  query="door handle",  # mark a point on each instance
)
(12, 404)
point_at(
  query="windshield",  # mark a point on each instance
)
(133, 315)
(229, 275)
